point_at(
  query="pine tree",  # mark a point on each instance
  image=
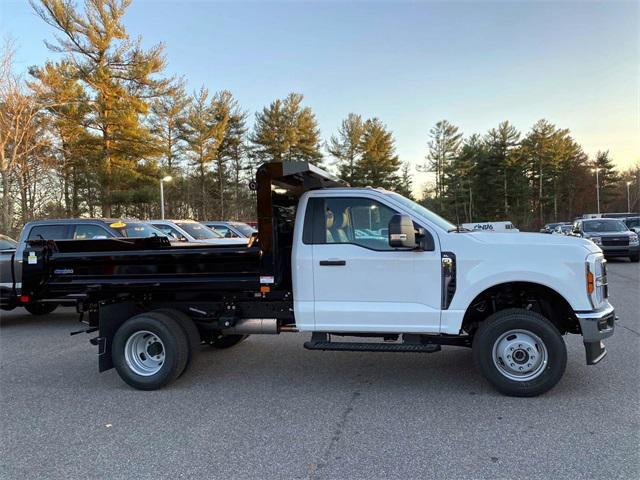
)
(461, 175)
(345, 147)
(608, 178)
(378, 164)
(231, 152)
(74, 148)
(285, 130)
(538, 156)
(501, 143)
(443, 147)
(118, 76)
(405, 183)
(167, 116)
(204, 129)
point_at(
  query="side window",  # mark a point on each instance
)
(359, 221)
(169, 231)
(88, 232)
(48, 232)
(224, 231)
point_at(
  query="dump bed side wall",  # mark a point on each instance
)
(61, 271)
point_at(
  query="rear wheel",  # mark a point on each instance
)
(150, 350)
(188, 326)
(40, 308)
(520, 352)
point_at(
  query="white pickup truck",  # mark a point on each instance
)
(338, 261)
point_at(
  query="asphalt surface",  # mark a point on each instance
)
(270, 409)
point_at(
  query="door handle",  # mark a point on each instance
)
(332, 263)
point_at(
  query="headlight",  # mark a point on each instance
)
(633, 239)
(596, 240)
(596, 280)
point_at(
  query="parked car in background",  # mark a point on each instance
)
(192, 231)
(564, 229)
(59, 229)
(7, 243)
(230, 229)
(611, 235)
(7, 251)
(620, 215)
(633, 223)
(551, 227)
(491, 226)
(87, 229)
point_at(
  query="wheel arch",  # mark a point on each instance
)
(521, 294)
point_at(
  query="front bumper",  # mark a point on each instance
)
(595, 327)
(620, 251)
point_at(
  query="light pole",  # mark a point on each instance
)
(628, 198)
(596, 170)
(168, 178)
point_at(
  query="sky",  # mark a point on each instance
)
(410, 64)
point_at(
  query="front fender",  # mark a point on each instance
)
(566, 277)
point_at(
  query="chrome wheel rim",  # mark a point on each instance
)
(520, 355)
(144, 353)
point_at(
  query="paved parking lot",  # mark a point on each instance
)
(270, 409)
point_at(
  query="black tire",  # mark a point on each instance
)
(635, 258)
(176, 350)
(219, 341)
(189, 328)
(489, 334)
(40, 308)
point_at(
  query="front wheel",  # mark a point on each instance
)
(520, 352)
(635, 258)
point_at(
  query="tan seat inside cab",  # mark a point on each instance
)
(337, 233)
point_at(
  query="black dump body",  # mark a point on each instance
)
(109, 266)
(155, 269)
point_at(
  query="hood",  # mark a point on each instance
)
(537, 239)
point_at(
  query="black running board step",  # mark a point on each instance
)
(373, 347)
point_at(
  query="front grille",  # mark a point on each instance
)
(615, 241)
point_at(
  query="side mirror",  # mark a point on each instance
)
(401, 232)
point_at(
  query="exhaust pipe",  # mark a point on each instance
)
(249, 326)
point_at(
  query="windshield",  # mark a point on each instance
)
(604, 226)
(136, 230)
(198, 231)
(246, 230)
(423, 212)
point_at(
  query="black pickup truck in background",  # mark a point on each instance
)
(11, 257)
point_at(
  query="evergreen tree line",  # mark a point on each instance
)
(93, 133)
(531, 179)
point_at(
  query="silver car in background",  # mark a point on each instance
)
(192, 231)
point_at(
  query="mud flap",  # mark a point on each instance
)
(595, 352)
(110, 317)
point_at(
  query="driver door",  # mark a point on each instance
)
(361, 284)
